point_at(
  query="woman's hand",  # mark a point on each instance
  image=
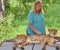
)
(38, 33)
(33, 29)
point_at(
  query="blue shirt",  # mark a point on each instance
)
(37, 21)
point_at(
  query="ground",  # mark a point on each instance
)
(8, 46)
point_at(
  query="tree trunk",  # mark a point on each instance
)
(2, 8)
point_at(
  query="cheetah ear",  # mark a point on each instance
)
(56, 30)
(48, 29)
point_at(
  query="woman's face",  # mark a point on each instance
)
(38, 6)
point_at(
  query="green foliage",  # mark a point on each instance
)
(10, 27)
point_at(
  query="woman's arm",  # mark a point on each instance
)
(31, 26)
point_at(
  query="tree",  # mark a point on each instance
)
(2, 8)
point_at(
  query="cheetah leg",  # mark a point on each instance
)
(14, 46)
(43, 43)
(33, 46)
(56, 46)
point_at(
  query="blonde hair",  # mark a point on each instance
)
(34, 8)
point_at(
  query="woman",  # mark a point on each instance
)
(36, 20)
